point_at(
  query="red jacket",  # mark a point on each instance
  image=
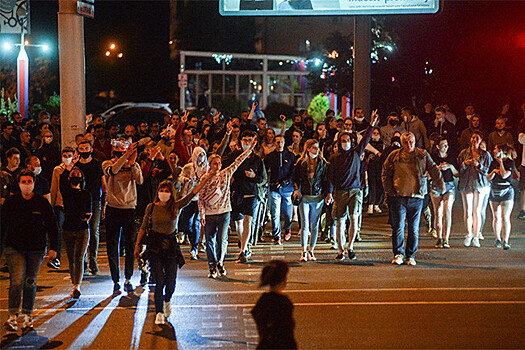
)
(181, 149)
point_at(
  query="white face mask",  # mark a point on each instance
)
(245, 147)
(26, 189)
(376, 138)
(66, 161)
(313, 155)
(37, 170)
(164, 196)
(346, 146)
(359, 119)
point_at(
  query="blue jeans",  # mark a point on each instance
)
(310, 214)
(216, 231)
(23, 269)
(164, 269)
(401, 209)
(281, 198)
(189, 223)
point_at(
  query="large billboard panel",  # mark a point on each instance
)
(325, 7)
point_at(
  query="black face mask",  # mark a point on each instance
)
(85, 155)
(118, 154)
(75, 181)
(393, 122)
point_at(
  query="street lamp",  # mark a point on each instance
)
(22, 72)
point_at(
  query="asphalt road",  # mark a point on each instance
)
(456, 298)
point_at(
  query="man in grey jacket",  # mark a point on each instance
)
(123, 175)
(405, 183)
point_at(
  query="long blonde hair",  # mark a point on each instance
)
(307, 145)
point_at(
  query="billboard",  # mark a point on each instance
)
(325, 7)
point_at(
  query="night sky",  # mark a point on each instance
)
(475, 48)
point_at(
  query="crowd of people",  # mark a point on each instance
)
(193, 179)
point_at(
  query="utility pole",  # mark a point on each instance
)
(72, 71)
(362, 78)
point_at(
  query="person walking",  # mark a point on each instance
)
(27, 220)
(123, 175)
(502, 193)
(279, 166)
(444, 201)
(344, 175)
(163, 251)
(273, 313)
(405, 183)
(215, 208)
(473, 184)
(310, 182)
(77, 212)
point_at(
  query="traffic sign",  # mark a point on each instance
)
(86, 8)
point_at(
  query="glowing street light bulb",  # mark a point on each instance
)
(26, 42)
(108, 53)
(45, 47)
(112, 46)
(120, 55)
(7, 46)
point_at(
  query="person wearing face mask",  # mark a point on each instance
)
(344, 175)
(360, 122)
(57, 201)
(190, 176)
(123, 174)
(28, 221)
(442, 128)
(95, 184)
(311, 185)
(41, 184)
(49, 154)
(373, 163)
(162, 249)
(392, 126)
(215, 208)
(405, 183)
(279, 166)
(77, 210)
(246, 192)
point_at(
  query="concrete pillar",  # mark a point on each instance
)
(362, 79)
(72, 71)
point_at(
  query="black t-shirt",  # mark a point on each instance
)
(448, 176)
(274, 319)
(41, 185)
(93, 177)
(499, 183)
(77, 202)
(27, 222)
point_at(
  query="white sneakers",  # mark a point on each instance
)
(470, 239)
(167, 309)
(160, 319)
(370, 209)
(398, 260)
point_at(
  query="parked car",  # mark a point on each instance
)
(122, 106)
(135, 114)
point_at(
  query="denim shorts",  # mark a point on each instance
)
(437, 192)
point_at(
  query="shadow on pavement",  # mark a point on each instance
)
(167, 331)
(28, 340)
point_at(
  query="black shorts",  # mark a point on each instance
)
(246, 206)
(502, 195)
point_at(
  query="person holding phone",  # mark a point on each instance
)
(123, 175)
